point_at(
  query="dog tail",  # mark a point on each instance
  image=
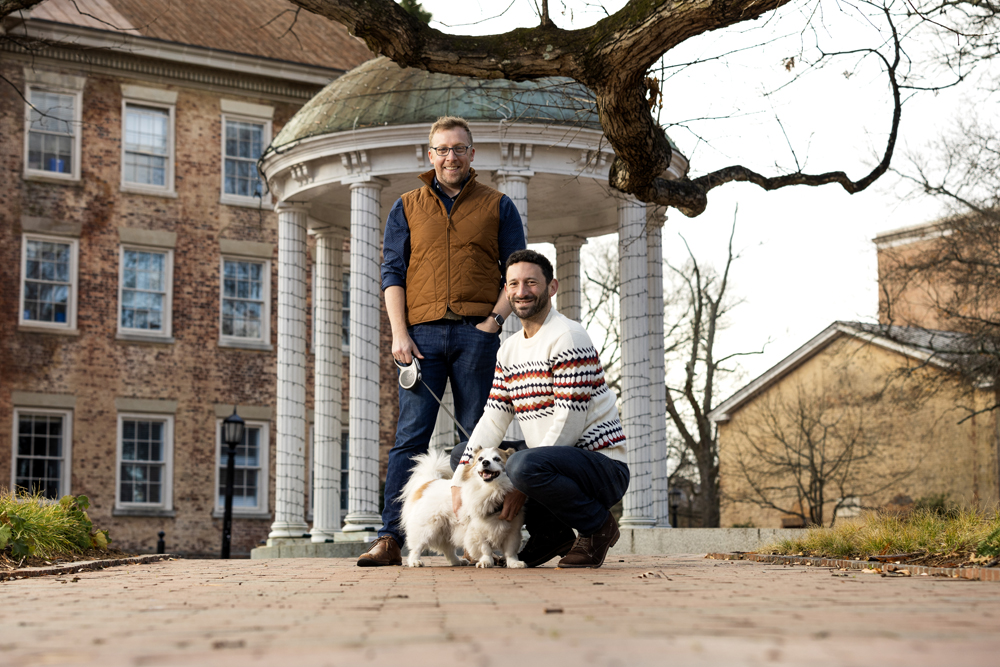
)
(428, 467)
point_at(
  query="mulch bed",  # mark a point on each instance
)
(895, 565)
(89, 560)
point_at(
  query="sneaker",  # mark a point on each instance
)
(590, 550)
(544, 547)
(383, 551)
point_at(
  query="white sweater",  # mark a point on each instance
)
(553, 383)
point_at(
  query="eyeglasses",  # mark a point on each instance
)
(443, 150)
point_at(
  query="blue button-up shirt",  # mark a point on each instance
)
(396, 244)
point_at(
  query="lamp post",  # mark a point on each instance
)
(674, 501)
(232, 435)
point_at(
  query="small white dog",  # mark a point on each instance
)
(430, 522)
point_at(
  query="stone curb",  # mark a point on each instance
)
(82, 566)
(896, 569)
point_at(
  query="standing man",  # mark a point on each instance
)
(549, 377)
(445, 247)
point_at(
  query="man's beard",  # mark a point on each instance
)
(532, 308)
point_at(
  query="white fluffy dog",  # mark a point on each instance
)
(430, 522)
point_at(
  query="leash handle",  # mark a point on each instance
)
(410, 375)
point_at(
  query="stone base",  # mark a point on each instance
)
(638, 541)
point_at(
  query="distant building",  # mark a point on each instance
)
(902, 396)
(138, 252)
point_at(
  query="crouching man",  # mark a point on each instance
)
(549, 377)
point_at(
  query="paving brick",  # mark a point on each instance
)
(637, 610)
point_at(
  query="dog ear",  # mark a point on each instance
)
(476, 449)
(509, 451)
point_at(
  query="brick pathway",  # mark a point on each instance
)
(637, 610)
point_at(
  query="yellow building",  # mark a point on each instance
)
(863, 415)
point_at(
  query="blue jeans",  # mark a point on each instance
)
(572, 486)
(455, 350)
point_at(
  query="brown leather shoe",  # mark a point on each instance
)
(383, 551)
(591, 550)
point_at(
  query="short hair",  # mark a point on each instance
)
(531, 257)
(448, 123)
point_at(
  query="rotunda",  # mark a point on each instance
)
(335, 170)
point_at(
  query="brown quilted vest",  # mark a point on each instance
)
(454, 260)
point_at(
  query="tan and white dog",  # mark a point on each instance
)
(430, 522)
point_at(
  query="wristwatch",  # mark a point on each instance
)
(498, 318)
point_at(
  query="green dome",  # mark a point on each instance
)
(381, 93)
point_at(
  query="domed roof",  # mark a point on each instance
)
(381, 93)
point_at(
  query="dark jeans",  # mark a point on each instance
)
(566, 486)
(572, 486)
(455, 350)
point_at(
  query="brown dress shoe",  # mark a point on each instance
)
(383, 551)
(590, 551)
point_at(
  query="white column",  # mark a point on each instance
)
(328, 275)
(364, 367)
(632, 253)
(515, 186)
(443, 436)
(569, 298)
(657, 378)
(289, 502)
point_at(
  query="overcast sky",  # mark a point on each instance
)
(807, 256)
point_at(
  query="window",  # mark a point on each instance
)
(246, 132)
(345, 316)
(345, 458)
(245, 300)
(244, 142)
(145, 291)
(148, 140)
(48, 288)
(250, 479)
(145, 461)
(52, 132)
(52, 125)
(42, 452)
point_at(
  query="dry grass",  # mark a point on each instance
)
(955, 537)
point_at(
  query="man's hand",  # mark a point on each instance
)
(456, 498)
(404, 349)
(489, 325)
(512, 504)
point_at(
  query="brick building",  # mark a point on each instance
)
(137, 252)
(888, 414)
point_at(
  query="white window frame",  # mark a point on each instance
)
(264, 341)
(74, 281)
(166, 503)
(168, 282)
(153, 98)
(262, 509)
(59, 85)
(256, 114)
(67, 447)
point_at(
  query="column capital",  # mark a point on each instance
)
(364, 180)
(656, 215)
(330, 233)
(570, 241)
(292, 206)
(522, 175)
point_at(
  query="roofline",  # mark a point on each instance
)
(66, 35)
(755, 387)
(906, 235)
(275, 161)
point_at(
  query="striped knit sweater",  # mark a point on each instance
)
(553, 384)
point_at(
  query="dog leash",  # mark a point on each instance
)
(409, 376)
